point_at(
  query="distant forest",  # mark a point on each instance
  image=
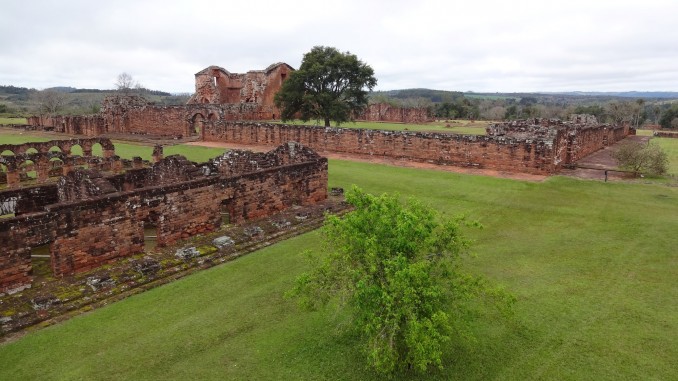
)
(637, 108)
(22, 101)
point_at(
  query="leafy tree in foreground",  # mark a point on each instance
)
(642, 158)
(329, 85)
(397, 268)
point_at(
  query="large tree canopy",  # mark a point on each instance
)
(329, 85)
(396, 266)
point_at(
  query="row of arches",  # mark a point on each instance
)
(83, 147)
(197, 124)
(43, 160)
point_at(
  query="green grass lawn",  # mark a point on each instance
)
(13, 121)
(641, 132)
(593, 266)
(670, 146)
(456, 126)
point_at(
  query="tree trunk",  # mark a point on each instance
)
(327, 122)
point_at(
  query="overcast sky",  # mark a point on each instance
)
(471, 45)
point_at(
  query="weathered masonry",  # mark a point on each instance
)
(92, 216)
(41, 161)
(383, 112)
(217, 85)
(219, 95)
(538, 146)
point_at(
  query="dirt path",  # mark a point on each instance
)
(387, 161)
(593, 166)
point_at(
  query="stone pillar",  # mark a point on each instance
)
(108, 153)
(157, 153)
(13, 178)
(116, 164)
(42, 170)
(137, 162)
(68, 166)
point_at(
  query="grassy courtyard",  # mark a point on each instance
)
(593, 266)
(451, 127)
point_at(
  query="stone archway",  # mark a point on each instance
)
(197, 127)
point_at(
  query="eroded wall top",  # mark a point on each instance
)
(215, 84)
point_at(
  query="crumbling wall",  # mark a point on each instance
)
(96, 219)
(503, 153)
(17, 236)
(665, 134)
(92, 232)
(216, 85)
(52, 159)
(571, 140)
(90, 125)
(383, 112)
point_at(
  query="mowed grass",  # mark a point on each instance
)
(13, 121)
(670, 146)
(455, 126)
(593, 265)
(125, 150)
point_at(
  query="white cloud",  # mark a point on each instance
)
(480, 45)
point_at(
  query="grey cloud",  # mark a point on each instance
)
(481, 45)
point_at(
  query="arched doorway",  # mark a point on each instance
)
(197, 125)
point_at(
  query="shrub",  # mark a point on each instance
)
(642, 158)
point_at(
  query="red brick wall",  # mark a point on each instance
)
(383, 112)
(588, 140)
(17, 236)
(90, 125)
(93, 232)
(157, 120)
(501, 153)
(665, 134)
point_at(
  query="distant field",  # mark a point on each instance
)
(592, 264)
(13, 121)
(641, 132)
(456, 126)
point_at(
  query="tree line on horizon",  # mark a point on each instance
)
(22, 101)
(607, 109)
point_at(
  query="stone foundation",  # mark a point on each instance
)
(97, 218)
(538, 147)
(665, 134)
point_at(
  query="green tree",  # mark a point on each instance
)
(396, 266)
(329, 85)
(642, 158)
(669, 118)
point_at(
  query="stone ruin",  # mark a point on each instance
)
(219, 95)
(216, 85)
(384, 112)
(90, 216)
(39, 161)
(537, 146)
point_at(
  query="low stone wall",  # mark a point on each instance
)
(90, 125)
(665, 134)
(570, 140)
(509, 154)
